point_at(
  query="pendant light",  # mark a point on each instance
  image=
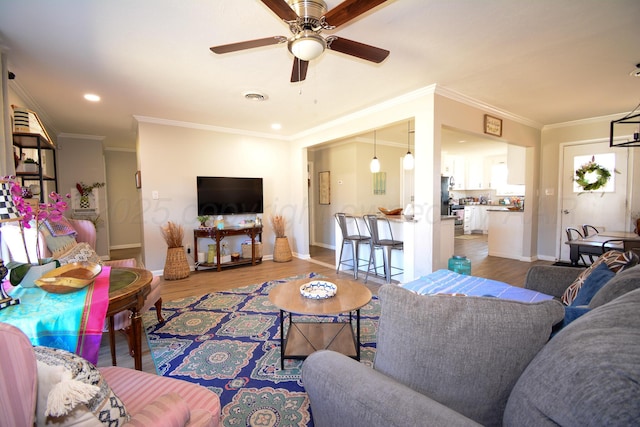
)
(375, 163)
(408, 161)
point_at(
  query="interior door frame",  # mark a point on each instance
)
(560, 235)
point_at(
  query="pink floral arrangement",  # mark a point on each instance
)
(52, 211)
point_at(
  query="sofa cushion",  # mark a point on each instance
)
(90, 406)
(79, 253)
(616, 261)
(588, 374)
(596, 280)
(57, 245)
(623, 282)
(464, 352)
(61, 227)
(168, 410)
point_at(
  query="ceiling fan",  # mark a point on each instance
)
(306, 20)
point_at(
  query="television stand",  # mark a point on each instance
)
(217, 234)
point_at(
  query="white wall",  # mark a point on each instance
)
(171, 157)
(80, 158)
(352, 183)
(592, 130)
(125, 218)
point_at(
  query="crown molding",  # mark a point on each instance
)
(464, 99)
(198, 126)
(590, 120)
(410, 96)
(81, 136)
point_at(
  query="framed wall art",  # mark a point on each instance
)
(325, 187)
(492, 125)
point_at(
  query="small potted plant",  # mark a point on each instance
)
(28, 166)
(202, 219)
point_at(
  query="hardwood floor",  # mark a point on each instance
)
(322, 262)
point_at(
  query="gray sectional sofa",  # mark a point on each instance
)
(455, 361)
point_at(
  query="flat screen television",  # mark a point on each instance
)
(227, 195)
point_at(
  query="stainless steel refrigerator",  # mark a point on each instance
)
(445, 183)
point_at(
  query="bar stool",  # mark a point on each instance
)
(347, 223)
(386, 244)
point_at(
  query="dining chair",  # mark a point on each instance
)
(351, 236)
(627, 245)
(574, 234)
(589, 230)
(384, 241)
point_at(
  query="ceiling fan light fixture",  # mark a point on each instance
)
(307, 45)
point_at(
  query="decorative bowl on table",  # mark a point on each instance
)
(318, 289)
(514, 208)
(69, 278)
(391, 212)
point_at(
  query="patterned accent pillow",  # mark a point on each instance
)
(616, 261)
(62, 227)
(79, 253)
(104, 407)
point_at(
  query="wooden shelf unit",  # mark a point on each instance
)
(255, 233)
(35, 141)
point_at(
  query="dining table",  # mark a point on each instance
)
(592, 245)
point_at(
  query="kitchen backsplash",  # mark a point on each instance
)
(483, 197)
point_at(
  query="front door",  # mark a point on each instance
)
(605, 207)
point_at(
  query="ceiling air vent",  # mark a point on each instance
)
(255, 96)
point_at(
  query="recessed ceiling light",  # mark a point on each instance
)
(276, 126)
(255, 96)
(91, 97)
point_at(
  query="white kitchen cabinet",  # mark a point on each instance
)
(453, 166)
(482, 219)
(516, 161)
(475, 173)
(469, 218)
(476, 219)
(505, 234)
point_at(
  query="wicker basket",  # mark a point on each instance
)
(282, 251)
(176, 267)
(246, 250)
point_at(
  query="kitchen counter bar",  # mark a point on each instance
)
(403, 229)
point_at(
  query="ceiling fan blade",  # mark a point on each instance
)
(361, 50)
(299, 72)
(282, 9)
(348, 10)
(250, 44)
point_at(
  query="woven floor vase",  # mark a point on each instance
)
(282, 251)
(176, 267)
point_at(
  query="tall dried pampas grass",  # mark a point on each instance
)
(173, 234)
(278, 223)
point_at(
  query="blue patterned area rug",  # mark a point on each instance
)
(229, 342)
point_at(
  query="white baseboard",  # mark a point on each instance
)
(128, 246)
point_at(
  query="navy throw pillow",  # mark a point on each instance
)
(596, 280)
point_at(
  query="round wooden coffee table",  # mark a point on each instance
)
(303, 337)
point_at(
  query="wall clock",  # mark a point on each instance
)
(492, 125)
